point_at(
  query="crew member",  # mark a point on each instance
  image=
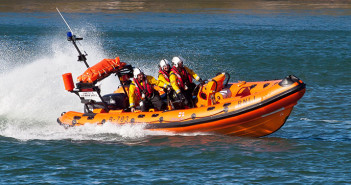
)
(142, 89)
(163, 73)
(181, 79)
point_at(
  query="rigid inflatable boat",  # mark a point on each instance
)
(251, 109)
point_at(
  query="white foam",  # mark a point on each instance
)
(33, 130)
(25, 130)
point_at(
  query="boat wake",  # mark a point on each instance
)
(25, 130)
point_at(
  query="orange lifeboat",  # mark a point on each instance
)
(251, 109)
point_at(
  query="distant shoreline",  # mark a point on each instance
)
(332, 7)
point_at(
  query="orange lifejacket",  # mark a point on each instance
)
(146, 88)
(182, 76)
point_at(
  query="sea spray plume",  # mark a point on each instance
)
(35, 90)
(12, 54)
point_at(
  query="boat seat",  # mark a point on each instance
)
(114, 101)
(206, 95)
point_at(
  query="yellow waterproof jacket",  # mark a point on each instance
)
(149, 79)
(173, 78)
(163, 79)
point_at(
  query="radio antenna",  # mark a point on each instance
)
(64, 20)
(71, 37)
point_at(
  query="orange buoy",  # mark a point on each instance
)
(68, 81)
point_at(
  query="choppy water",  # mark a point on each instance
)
(253, 42)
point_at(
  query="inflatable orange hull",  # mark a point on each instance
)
(251, 109)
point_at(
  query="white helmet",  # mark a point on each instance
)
(177, 60)
(163, 63)
(137, 71)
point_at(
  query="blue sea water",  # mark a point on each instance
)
(313, 147)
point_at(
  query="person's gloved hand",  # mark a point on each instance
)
(169, 88)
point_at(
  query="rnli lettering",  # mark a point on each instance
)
(246, 100)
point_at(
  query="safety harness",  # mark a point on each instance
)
(182, 76)
(146, 88)
(164, 75)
